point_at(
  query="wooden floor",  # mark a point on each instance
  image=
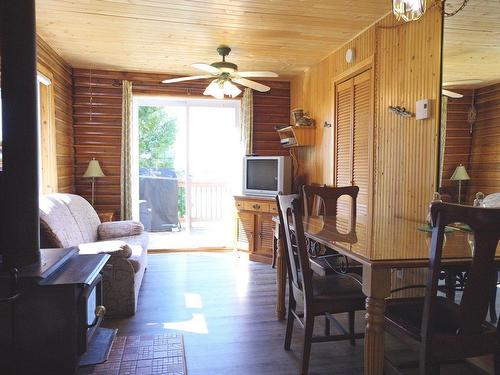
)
(224, 307)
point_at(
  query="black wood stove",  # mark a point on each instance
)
(50, 313)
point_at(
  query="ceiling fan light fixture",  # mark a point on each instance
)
(215, 89)
(408, 10)
(231, 90)
(219, 88)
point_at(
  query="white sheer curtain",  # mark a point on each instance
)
(126, 149)
(247, 121)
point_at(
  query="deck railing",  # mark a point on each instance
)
(210, 201)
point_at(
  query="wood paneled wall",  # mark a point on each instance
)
(270, 109)
(407, 62)
(97, 122)
(484, 168)
(63, 86)
(458, 140)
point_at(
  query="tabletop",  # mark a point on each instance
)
(407, 243)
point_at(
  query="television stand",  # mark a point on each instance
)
(254, 226)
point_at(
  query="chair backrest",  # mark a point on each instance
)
(297, 258)
(323, 200)
(485, 224)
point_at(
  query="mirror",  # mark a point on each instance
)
(470, 124)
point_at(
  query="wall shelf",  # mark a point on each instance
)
(296, 136)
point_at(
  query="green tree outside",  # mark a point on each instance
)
(157, 134)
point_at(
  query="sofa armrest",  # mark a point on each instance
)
(114, 229)
(114, 248)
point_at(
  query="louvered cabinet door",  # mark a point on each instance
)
(245, 231)
(353, 122)
(362, 123)
(343, 141)
(264, 236)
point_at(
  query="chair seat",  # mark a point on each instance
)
(336, 287)
(405, 314)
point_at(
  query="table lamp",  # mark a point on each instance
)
(460, 175)
(93, 170)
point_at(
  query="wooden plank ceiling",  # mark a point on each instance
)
(472, 42)
(168, 35)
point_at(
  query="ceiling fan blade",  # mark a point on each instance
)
(451, 94)
(462, 82)
(207, 68)
(181, 79)
(253, 85)
(256, 74)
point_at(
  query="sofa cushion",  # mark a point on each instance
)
(57, 223)
(113, 248)
(116, 229)
(85, 216)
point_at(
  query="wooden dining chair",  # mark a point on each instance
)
(324, 200)
(440, 329)
(314, 294)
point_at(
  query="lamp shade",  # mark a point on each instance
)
(460, 174)
(94, 169)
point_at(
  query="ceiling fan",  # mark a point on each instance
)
(226, 74)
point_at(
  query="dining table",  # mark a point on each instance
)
(394, 259)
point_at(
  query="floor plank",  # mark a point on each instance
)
(225, 308)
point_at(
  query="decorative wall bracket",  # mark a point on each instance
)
(400, 111)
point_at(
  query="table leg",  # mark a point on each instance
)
(376, 286)
(280, 277)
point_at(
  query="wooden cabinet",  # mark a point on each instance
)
(254, 226)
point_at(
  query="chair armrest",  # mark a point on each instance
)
(118, 249)
(114, 229)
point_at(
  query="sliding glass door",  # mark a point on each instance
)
(188, 167)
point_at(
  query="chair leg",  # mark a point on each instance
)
(327, 326)
(493, 300)
(308, 332)
(289, 329)
(351, 327)
(275, 247)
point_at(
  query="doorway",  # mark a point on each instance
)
(188, 166)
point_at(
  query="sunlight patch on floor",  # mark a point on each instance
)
(242, 278)
(197, 324)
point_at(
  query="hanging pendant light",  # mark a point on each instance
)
(408, 10)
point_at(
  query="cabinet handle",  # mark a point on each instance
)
(256, 206)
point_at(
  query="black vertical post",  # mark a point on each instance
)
(20, 218)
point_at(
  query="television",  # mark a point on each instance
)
(267, 175)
